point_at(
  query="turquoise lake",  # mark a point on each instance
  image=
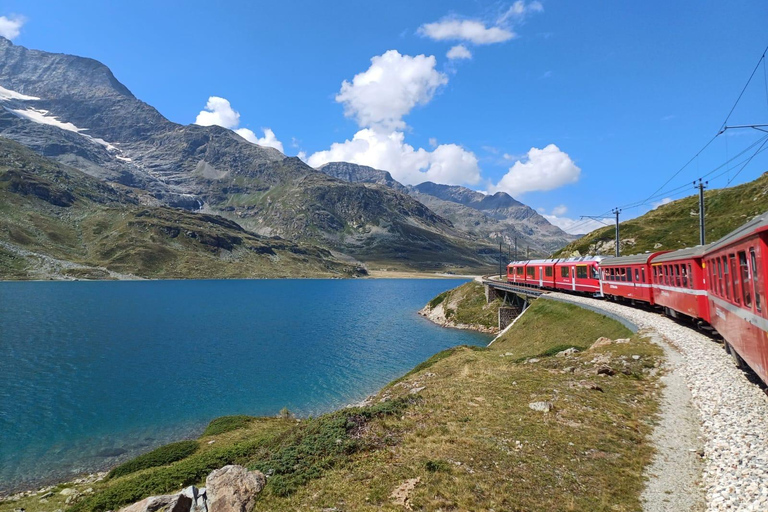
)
(93, 373)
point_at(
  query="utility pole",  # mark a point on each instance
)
(701, 186)
(500, 257)
(616, 212)
(515, 248)
(527, 250)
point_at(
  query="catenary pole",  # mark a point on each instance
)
(701, 186)
(616, 212)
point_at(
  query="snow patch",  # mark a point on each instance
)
(7, 94)
(42, 117)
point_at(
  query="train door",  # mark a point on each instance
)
(573, 278)
(541, 277)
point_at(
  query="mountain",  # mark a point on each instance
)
(354, 173)
(74, 111)
(676, 225)
(56, 221)
(487, 217)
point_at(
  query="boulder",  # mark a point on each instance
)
(567, 352)
(541, 406)
(233, 489)
(601, 342)
(150, 504)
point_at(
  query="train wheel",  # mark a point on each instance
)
(735, 356)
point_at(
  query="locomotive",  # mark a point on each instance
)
(719, 286)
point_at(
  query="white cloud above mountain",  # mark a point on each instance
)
(540, 170)
(389, 89)
(219, 112)
(10, 27)
(447, 163)
(459, 52)
(378, 99)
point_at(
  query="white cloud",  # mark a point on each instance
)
(560, 210)
(519, 10)
(219, 112)
(10, 28)
(664, 201)
(459, 52)
(390, 88)
(433, 142)
(576, 226)
(451, 29)
(447, 163)
(541, 170)
(478, 32)
(268, 139)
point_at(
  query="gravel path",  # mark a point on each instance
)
(733, 413)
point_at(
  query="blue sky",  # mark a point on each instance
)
(573, 107)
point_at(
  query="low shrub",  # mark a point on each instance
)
(227, 424)
(159, 457)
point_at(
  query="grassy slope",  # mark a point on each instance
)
(57, 211)
(468, 435)
(466, 305)
(676, 225)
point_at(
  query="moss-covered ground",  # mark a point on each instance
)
(460, 423)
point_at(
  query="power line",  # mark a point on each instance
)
(762, 58)
(747, 162)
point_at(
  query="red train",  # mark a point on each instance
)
(719, 286)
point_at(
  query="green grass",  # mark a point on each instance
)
(547, 324)
(676, 225)
(466, 304)
(227, 424)
(159, 457)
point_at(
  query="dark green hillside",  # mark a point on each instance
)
(56, 221)
(676, 225)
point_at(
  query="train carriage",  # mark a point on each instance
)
(679, 283)
(541, 273)
(516, 272)
(629, 277)
(580, 274)
(736, 266)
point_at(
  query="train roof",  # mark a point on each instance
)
(633, 259)
(583, 259)
(683, 254)
(759, 223)
(549, 261)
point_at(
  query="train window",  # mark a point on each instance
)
(531, 271)
(725, 278)
(519, 271)
(666, 273)
(755, 279)
(637, 274)
(677, 275)
(735, 279)
(563, 271)
(655, 275)
(719, 277)
(690, 277)
(581, 272)
(595, 273)
(548, 271)
(684, 275)
(642, 273)
(629, 274)
(746, 282)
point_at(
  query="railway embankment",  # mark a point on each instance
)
(464, 307)
(556, 415)
(732, 413)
